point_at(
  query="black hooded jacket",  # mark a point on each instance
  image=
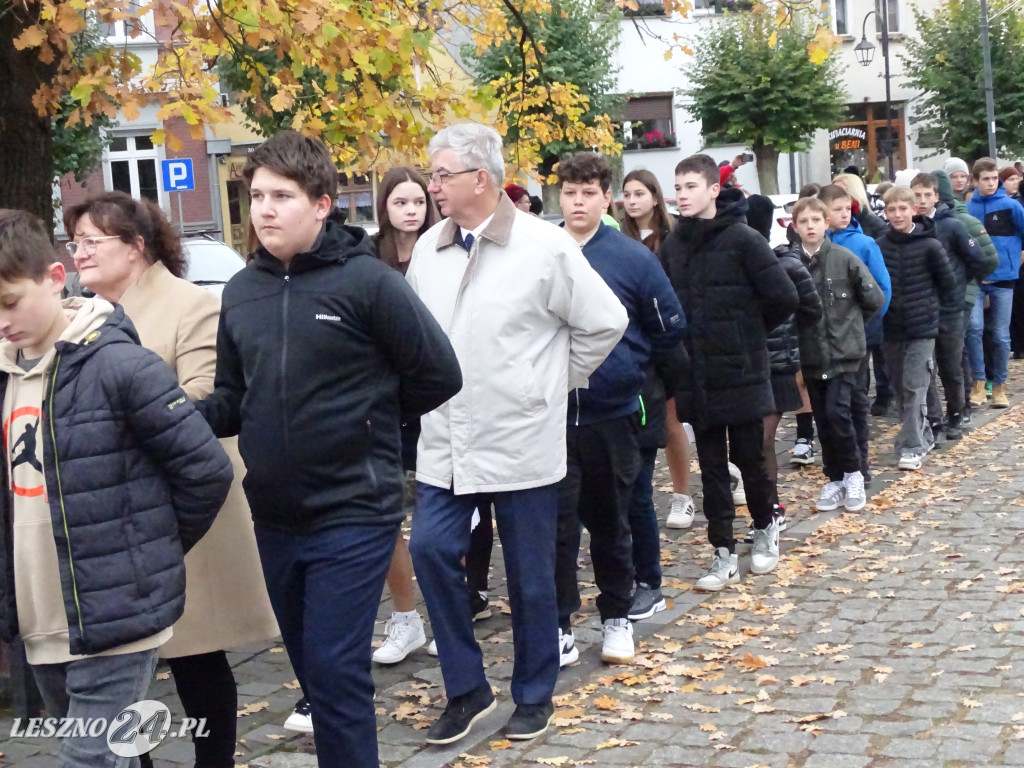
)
(317, 367)
(732, 290)
(922, 281)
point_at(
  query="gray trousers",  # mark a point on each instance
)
(910, 372)
(94, 687)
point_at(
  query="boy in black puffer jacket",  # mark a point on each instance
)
(832, 351)
(109, 477)
(968, 263)
(733, 291)
(922, 282)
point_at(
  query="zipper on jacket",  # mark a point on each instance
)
(284, 365)
(60, 493)
(369, 458)
(657, 311)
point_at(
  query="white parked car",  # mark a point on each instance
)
(211, 263)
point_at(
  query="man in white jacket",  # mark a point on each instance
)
(529, 320)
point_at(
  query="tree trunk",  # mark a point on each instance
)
(767, 168)
(26, 151)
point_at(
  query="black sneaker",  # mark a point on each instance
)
(647, 601)
(460, 714)
(953, 429)
(880, 407)
(480, 608)
(529, 721)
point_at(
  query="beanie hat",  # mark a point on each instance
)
(955, 165)
(515, 192)
(904, 177)
(1008, 172)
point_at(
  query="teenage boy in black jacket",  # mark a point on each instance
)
(601, 431)
(322, 352)
(732, 290)
(922, 282)
(968, 263)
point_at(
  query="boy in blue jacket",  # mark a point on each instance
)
(845, 230)
(603, 420)
(109, 477)
(1003, 219)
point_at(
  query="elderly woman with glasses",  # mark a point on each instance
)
(126, 252)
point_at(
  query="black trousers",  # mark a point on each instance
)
(949, 355)
(478, 559)
(831, 403)
(860, 409)
(206, 687)
(743, 444)
(602, 461)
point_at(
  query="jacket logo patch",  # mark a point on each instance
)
(180, 401)
(332, 318)
(91, 337)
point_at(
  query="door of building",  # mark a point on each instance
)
(865, 141)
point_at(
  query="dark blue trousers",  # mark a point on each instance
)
(440, 539)
(325, 589)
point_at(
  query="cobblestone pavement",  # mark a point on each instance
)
(889, 638)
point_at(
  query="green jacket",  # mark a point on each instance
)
(974, 228)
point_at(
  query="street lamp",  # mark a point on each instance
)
(865, 52)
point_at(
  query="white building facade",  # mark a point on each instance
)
(656, 87)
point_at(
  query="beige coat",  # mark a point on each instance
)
(226, 603)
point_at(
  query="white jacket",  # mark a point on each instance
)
(529, 320)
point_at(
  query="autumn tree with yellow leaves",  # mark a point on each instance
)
(370, 77)
(766, 78)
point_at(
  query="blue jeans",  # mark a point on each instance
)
(998, 320)
(643, 523)
(325, 589)
(94, 687)
(440, 539)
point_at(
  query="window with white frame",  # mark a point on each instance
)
(648, 122)
(893, 9)
(839, 13)
(133, 167)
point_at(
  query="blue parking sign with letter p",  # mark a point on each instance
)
(177, 175)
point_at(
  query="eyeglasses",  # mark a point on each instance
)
(442, 176)
(88, 244)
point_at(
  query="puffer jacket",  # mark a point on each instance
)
(134, 478)
(1003, 218)
(848, 294)
(784, 339)
(975, 229)
(733, 291)
(922, 281)
(965, 257)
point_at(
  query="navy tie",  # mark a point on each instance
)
(469, 241)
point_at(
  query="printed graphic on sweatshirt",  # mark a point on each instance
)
(24, 444)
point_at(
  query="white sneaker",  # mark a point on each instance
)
(833, 496)
(301, 718)
(739, 496)
(910, 461)
(432, 648)
(856, 498)
(803, 452)
(765, 553)
(404, 635)
(682, 512)
(724, 570)
(567, 650)
(618, 642)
